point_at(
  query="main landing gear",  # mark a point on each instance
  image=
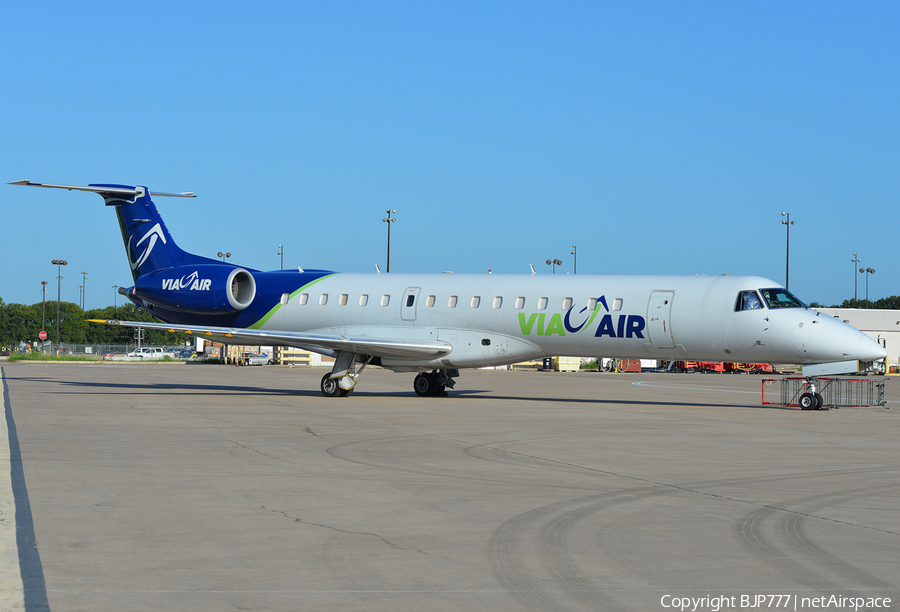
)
(430, 384)
(341, 381)
(342, 378)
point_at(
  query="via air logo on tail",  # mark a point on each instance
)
(155, 233)
(623, 326)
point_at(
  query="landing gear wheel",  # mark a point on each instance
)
(346, 392)
(809, 401)
(330, 386)
(820, 401)
(425, 385)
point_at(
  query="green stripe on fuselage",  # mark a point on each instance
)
(272, 312)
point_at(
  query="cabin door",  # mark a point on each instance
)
(659, 324)
(408, 305)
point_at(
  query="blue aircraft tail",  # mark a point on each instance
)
(148, 244)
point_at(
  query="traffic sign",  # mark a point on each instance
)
(42, 335)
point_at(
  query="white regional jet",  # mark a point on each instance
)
(436, 324)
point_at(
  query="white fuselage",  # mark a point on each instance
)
(494, 319)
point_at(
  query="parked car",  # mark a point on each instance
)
(256, 359)
(148, 352)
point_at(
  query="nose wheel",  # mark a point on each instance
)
(811, 401)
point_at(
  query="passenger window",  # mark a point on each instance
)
(323, 299)
(364, 299)
(304, 298)
(451, 303)
(748, 300)
(410, 300)
(542, 304)
(567, 303)
(592, 304)
(284, 299)
(476, 300)
(520, 303)
(617, 304)
(429, 301)
(498, 302)
(385, 300)
(343, 299)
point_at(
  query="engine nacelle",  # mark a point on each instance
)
(201, 289)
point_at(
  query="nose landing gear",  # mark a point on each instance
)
(812, 399)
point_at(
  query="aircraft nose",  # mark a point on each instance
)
(869, 350)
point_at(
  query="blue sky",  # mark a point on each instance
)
(659, 137)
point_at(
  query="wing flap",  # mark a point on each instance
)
(365, 345)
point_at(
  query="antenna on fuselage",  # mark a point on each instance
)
(377, 269)
(532, 268)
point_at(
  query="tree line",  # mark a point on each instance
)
(886, 303)
(21, 323)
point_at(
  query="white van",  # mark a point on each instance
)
(148, 352)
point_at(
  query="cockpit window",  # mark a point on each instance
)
(781, 298)
(748, 300)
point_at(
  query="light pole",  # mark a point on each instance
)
(223, 255)
(855, 261)
(575, 253)
(787, 257)
(867, 271)
(83, 289)
(43, 310)
(115, 295)
(389, 220)
(281, 253)
(81, 296)
(554, 263)
(58, 263)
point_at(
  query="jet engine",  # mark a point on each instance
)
(200, 289)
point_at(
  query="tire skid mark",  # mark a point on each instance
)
(552, 580)
(791, 532)
(506, 457)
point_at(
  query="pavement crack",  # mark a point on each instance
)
(338, 530)
(249, 448)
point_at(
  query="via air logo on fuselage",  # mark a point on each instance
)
(191, 282)
(622, 326)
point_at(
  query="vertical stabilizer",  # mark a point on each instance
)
(148, 244)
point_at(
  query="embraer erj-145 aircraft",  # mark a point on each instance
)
(435, 324)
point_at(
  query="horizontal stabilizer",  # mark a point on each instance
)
(124, 191)
(363, 345)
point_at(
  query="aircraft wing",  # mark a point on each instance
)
(365, 345)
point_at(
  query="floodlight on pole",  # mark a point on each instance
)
(787, 258)
(389, 220)
(58, 263)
